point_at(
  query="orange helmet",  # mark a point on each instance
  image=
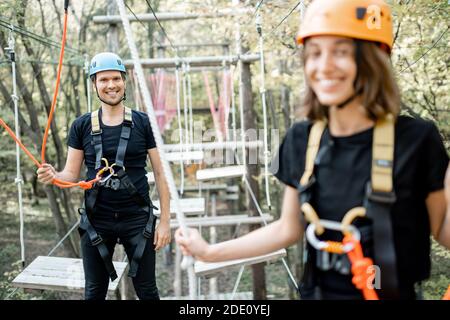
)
(359, 19)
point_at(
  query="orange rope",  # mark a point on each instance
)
(57, 182)
(334, 247)
(447, 294)
(360, 264)
(55, 93)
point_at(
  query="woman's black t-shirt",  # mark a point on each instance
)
(141, 139)
(420, 163)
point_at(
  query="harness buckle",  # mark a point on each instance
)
(382, 197)
(96, 133)
(147, 233)
(97, 240)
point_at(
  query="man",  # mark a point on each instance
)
(118, 209)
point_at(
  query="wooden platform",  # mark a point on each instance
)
(188, 205)
(217, 173)
(185, 156)
(59, 274)
(204, 269)
(229, 220)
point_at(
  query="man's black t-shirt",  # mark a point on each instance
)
(342, 173)
(140, 141)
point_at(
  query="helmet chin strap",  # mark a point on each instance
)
(350, 99)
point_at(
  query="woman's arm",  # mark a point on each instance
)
(438, 205)
(277, 235)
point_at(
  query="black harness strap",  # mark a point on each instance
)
(97, 241)
(142, 242)
(378, 208)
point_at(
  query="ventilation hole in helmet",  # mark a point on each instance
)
(360, 13)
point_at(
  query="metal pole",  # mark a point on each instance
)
(167, 16)
(206, 61)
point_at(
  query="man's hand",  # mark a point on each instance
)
(162, 234)
(46, 173)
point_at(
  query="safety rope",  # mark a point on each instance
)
(60, 183)
(180, 129)
(187, 262)
(18, 180)
(189, 93)
(185, 105)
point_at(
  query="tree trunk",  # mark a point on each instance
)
(259, 277)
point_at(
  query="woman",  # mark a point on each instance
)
(351, 88)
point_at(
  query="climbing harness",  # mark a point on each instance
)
(117, 179)
(377, 203)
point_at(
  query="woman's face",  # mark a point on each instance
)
(330, 68)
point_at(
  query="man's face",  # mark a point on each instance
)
(110, 87)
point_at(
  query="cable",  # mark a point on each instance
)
(162, 28)
(426, 52)
(51, 43)
(140, 21)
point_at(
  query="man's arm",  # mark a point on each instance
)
(71, 171)
(162, 234)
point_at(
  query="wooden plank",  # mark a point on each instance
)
(217, 173)
(204, 268)
(229, 220)
(60, 274)
(185, 156)
(188, 205)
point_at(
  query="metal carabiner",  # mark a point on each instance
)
(115, 164)
(111, 173)
(332, 225)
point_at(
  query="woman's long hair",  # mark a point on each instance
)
(375, 81)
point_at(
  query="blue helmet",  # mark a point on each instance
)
(106, 61)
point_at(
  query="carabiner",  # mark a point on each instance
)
(332, 225)
(111, 173)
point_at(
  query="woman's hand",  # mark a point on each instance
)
(46, 173)
(193, 245)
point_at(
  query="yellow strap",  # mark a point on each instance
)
(383, 155)
(311, 152)
(95, 122)
(128, 115)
